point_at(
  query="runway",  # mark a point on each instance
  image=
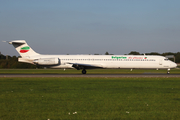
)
(89, 75)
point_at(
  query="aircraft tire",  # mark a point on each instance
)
(83, 71)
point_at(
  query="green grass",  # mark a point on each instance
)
(74, 71)
(91, 98)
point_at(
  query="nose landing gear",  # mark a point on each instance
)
(168, 71)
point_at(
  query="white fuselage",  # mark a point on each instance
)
(112, 61)
(83, 62)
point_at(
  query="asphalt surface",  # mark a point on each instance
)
(89, 75)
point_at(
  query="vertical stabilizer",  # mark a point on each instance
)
(23, 48)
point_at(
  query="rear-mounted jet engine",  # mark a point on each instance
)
(47, 61)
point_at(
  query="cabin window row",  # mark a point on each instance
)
(109, 59)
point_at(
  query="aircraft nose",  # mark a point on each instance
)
(173, 65)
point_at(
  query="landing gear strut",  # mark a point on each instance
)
(168, 71)
(83, 71)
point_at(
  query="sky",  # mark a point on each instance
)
(91, 26)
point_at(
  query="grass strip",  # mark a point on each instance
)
(94, 71)
(89, 98)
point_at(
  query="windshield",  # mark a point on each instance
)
(166, 59)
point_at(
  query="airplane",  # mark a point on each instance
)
(83, 62)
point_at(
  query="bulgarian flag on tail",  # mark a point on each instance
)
(24, 49)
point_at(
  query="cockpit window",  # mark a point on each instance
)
(166, 59)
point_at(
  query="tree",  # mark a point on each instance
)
(106, 53)
(134, 53)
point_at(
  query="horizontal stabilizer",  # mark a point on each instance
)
(17, 42)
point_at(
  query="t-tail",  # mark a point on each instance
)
(23, 49)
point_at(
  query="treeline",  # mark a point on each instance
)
(12, 62)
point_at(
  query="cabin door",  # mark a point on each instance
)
(160, 62)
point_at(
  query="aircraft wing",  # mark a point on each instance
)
(79, 66)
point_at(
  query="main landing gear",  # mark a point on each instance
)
(83, 71)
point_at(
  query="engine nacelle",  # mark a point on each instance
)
(47, 61)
